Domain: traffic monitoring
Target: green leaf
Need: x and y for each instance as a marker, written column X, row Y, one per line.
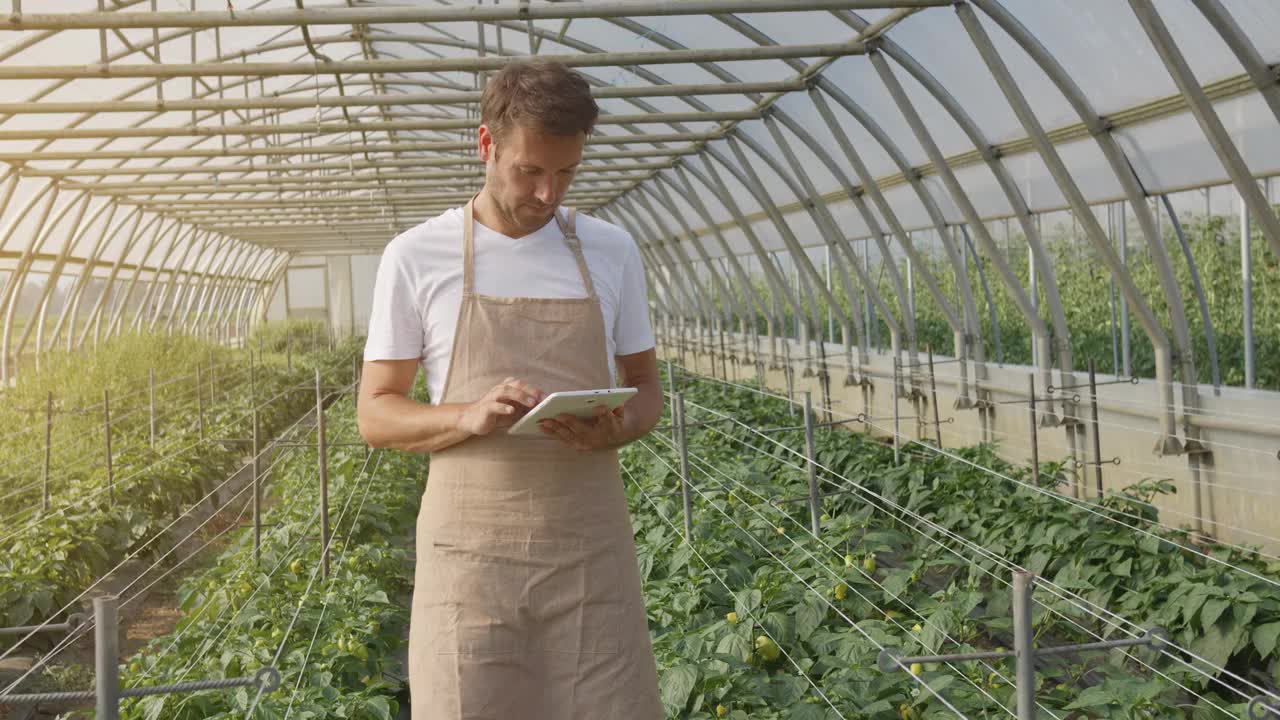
column 735, row 645
column 805, row 711
column 378, row 708
column 746, row 601
column 1212, row 610
column 1264, row 638
column 1096, row 696
column 809, row 615
column 937, row 683
column 677, row 684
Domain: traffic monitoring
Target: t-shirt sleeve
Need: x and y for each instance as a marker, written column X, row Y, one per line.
column 632, row 332
column 395, row 325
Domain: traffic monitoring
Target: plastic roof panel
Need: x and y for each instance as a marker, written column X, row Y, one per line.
column 1100, row 45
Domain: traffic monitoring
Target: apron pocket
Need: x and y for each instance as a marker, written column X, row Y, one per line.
column 578, row 606
column 474, row 609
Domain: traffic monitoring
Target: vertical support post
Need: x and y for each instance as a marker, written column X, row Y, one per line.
column 1097, row 440
column 106, row 641
column 933, row 401
column 1126, row 348
column 671, row 392
column 1246, row 285
column 1035, row 436
column 48, row 443
column 897, row 447
column 323, row 450
column 200, row 401
column 257, row 451
column 106, row 424
column 213, row 371
column 711, row 348
column 288, row 351
column 684, row 468
column 811, row 460
column 787, row 375
column 724, row 355
column 1024, row 645
column 151, row 404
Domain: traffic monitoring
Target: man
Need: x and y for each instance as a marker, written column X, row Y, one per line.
column 527, row 600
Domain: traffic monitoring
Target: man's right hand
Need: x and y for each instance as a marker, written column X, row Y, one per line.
column 501, row 407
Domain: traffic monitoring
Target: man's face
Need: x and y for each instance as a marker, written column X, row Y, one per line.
column 528, row 173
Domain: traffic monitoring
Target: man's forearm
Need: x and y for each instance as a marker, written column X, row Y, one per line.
column 396, row 422
column 642, row 412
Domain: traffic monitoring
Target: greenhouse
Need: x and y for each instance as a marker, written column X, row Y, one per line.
column 928, row 355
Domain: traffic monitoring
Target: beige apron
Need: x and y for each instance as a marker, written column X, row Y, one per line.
column 527, row 602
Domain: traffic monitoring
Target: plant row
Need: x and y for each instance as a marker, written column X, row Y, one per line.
column 331, row 640
column 757, row 618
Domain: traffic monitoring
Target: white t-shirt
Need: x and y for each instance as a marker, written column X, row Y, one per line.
column 418, row 291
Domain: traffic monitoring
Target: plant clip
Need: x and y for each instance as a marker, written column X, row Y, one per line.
column 267, row 679
column 889, row 659
column 1260, row 710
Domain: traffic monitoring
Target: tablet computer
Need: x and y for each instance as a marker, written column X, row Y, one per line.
column 578, row 403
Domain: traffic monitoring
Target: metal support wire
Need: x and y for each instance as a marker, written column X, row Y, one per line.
column 1025, row 652
column 108, row 693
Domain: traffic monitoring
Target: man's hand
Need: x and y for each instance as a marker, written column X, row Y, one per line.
column 501, row 407
column 606, row 430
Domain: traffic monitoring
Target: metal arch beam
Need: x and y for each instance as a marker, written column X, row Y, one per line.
column 227, row 262
column 750, row 295
column 223, row 293
column 871, row 187
column 250, row 291
column 1039, row 330
column 987, row 153
column 314, row 129
column 300, row 167
column 149, row 311
column 230, row 308
column 670, row 240
column 282, row 102
column 793, row 243
column 70, row 300
column 652, row 262
column 657, row 246
column 1136, row 194
column 1210, row 123
column 86, row 275
column 1169, row 443
column 266, row 290
column 1236, row 39
column 656, row 282
column 13, row 284
column 155, row 281
column 773, row 275
column 42, row 236
column 402, row 181
column 664, row 200
column 400, row 15
column 115, row 320
column 960, row 326
column 716, row 71
column 94, row 322
column 290, row 179
column 190, row 288
column 821, row 214
column 342, row 149
column 78, row 229
column 463, row 64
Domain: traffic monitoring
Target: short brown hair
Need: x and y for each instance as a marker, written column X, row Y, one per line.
column 543, row 94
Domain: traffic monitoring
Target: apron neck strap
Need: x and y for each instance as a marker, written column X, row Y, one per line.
column 568, row 226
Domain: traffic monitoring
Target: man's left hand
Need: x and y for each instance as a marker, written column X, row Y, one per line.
column 606, row 430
